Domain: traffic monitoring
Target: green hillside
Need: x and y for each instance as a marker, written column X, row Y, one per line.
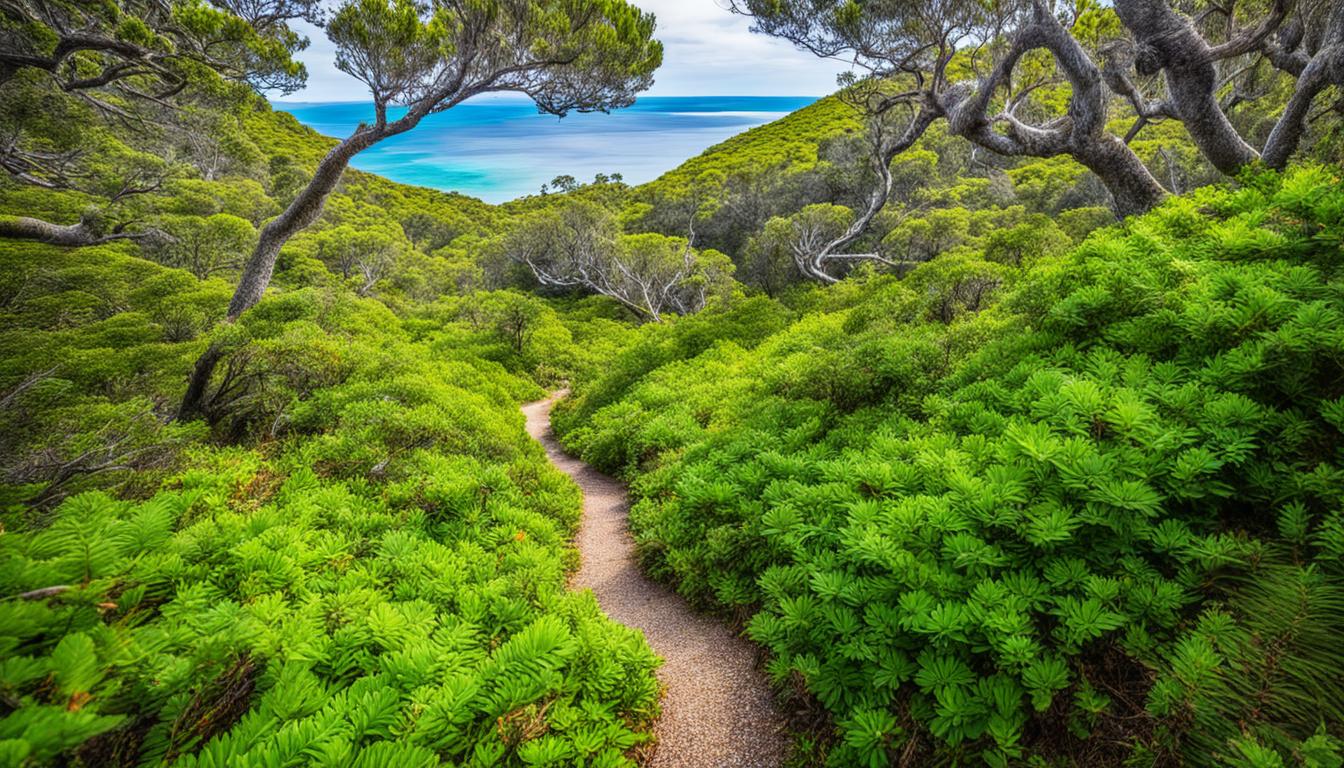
column 1082, row 511
column 792, row 141
column 989, row 412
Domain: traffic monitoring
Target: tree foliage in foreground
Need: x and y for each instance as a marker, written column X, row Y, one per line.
column 1082, row 511
column 93, row 95
column 564, row 55
column 371, row 572
column 142, row 49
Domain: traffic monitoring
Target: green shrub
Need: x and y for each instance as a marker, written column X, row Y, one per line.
column 1090, row 517
column 364, row 563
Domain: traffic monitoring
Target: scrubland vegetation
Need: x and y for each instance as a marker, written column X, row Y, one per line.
column 360, row 542
column 351, row 554
column 991, row 475
column 369, row 571
column 1082, row 509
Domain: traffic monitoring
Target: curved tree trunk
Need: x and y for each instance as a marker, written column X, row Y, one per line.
column 1322, row 69
column 1169, row 42
column 1082, row 135
column 303, row 211
column 190, row 407
column 812, row 261
column 1131, row 184
column 1287, row 133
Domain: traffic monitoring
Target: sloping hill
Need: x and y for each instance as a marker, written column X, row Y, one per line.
column 791, row 140
column 1083, row 510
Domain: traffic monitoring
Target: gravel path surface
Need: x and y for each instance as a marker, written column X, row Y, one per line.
column 718, row 711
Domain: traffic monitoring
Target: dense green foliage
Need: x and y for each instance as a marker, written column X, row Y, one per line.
column 373, row 574
column 1085, row 509
column 358, row 557
column 1025, row 493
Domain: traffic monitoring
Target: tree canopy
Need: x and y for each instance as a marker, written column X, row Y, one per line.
column 1038, row 78
column 579, row 245
column 566, row 55
column 152, row 49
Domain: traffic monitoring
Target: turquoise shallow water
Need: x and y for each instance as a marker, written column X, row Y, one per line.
column 501, row 149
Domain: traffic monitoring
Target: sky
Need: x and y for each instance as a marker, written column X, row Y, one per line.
column 707, row 51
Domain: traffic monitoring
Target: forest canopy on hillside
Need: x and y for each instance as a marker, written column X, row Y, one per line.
column 998, row 397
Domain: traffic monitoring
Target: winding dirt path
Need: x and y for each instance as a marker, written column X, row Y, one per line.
column 718, row 711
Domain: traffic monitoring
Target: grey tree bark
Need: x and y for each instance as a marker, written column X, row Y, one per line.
column 1169, row 42
column 83, row 234
column 302, row 212
column 812, row 260
column 1324, row 68
column 1294, row 36
column 1081, row 133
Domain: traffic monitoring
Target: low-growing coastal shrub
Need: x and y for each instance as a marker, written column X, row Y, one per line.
column 1089, row 517
column 362, row 563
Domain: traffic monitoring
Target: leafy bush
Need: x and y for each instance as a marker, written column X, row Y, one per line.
column 365, row 564
column 1090, row 517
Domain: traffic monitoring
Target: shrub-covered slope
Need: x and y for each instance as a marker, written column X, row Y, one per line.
column 363, row 564
column 792, row 140
column 1086, row 510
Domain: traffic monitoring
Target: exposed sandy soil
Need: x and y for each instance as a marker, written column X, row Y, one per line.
column 718, row 711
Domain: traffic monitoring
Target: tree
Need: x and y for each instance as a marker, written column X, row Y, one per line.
column 578, row 245
column 1037, row 236
column 922, row 238
column 205, row 246
column 983, row 69
column 89, row 94
column 430, row 232
column 1203, row 55
column 515, row 317
column 561, row 184
column 373, row 264
column 365, row 253
column 154, row 48
column 767, row 260
column 566, row 55
column 667, row 274
column 212, row 139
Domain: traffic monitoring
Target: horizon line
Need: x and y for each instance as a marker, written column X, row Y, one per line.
column 519, row 97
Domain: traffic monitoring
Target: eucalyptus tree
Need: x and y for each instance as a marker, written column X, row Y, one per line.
column 206, row 245
column 427, row 57
column 980, row 67
column 154, row 48
column 90, row 93
column 365, row 253
column 579, row 245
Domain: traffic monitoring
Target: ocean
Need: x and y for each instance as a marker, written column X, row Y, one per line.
column 499, row 149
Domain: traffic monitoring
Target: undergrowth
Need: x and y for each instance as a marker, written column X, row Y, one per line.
column 362, row 563
column 1082, row 511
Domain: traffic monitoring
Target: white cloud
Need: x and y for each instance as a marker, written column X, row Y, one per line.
column 708, row 51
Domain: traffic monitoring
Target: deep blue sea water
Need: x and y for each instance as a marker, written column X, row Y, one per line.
column 500, row 149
